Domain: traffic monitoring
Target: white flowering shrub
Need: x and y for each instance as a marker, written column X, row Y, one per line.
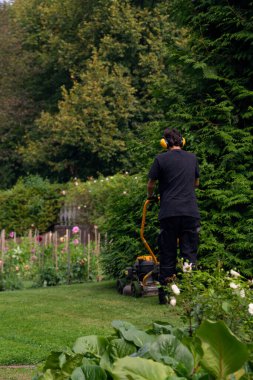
column 214, row 295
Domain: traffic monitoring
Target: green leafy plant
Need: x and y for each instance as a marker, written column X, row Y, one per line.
column 162, row 353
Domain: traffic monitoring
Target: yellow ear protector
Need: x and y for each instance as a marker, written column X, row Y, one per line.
column 164, row 143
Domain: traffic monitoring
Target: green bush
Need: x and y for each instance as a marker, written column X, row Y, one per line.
column 117, row 204
column 31, row 202
column 215, row 295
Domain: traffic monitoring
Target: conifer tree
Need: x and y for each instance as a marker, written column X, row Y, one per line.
column 211, row 103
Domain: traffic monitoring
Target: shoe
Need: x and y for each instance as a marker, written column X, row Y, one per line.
column 162, row 296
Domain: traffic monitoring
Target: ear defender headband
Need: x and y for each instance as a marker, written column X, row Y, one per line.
column 164, row 143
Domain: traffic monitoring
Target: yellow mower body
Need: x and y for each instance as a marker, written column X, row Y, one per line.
column 142, row 278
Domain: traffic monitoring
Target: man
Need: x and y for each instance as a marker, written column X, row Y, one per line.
column 177, row 174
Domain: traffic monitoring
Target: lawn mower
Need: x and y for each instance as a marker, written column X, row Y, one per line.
column 142, row 278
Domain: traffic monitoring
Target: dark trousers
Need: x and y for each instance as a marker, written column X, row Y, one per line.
column 184, row 228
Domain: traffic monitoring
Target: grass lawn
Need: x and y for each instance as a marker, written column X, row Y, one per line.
column 35, row 321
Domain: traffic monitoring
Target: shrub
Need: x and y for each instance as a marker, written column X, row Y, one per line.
column 31, row 202
column 215, row 295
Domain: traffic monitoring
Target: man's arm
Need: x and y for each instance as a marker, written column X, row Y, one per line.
column 196, row 184
column 150, row 187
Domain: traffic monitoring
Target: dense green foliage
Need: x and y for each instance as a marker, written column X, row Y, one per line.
column 100, row 80
column 31, row 203
column 17, row 108
column 161, row 353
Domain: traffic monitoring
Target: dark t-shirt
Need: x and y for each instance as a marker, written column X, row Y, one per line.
column 176, row 170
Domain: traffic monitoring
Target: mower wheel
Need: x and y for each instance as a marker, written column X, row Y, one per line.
column 127, row 290
column 136, row 289
column 121, row 282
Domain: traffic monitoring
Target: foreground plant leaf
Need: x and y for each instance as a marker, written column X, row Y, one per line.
column 89, row 372
column 169, row 350
column 95, row 345
column 224, row 354
column 131, row 334
column 140, row 369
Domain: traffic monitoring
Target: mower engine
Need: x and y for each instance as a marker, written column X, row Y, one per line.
column 140, row 279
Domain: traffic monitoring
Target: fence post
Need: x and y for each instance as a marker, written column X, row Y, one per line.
column 88, row 257
column 2, row 249
column 68, row 254
column 30, row 239
column 55, row 249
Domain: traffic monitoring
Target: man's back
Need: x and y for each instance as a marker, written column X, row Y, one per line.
column 176, row 170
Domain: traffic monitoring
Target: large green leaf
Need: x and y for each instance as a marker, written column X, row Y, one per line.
column 95, row 345
column 119, row 348
column 194, row 345
column 78, row 374
column 54, row 360
column 223, row 352
column 169, row 350
column 140, row 369
column 89, row 372
column 130, row 333
column 164, row 328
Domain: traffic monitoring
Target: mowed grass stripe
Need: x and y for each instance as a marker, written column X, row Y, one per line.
column 36, row 321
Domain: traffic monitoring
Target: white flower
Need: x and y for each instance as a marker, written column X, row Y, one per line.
column 242, row 293
column 124, row 192
column 234, row 273
column 250, row 309
column 76, row 183
column 175, row 289
column 233, row 285
column 187, row 267
column 173, row 301
column 17, row 251
column 63, row 192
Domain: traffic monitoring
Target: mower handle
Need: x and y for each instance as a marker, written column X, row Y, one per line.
column 143, row 221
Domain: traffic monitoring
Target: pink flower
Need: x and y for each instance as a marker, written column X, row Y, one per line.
column 76, row 241
column 34, row 258
column 1, row 263
column 12, row 234
column 75, row 230
column 39, row 238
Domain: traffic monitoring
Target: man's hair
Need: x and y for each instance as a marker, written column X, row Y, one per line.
column 173, row 137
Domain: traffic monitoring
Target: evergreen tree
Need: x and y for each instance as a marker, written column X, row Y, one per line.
column 211, row 102
column 17, row 108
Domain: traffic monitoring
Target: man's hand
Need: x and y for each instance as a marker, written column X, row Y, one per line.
column 153, row 198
